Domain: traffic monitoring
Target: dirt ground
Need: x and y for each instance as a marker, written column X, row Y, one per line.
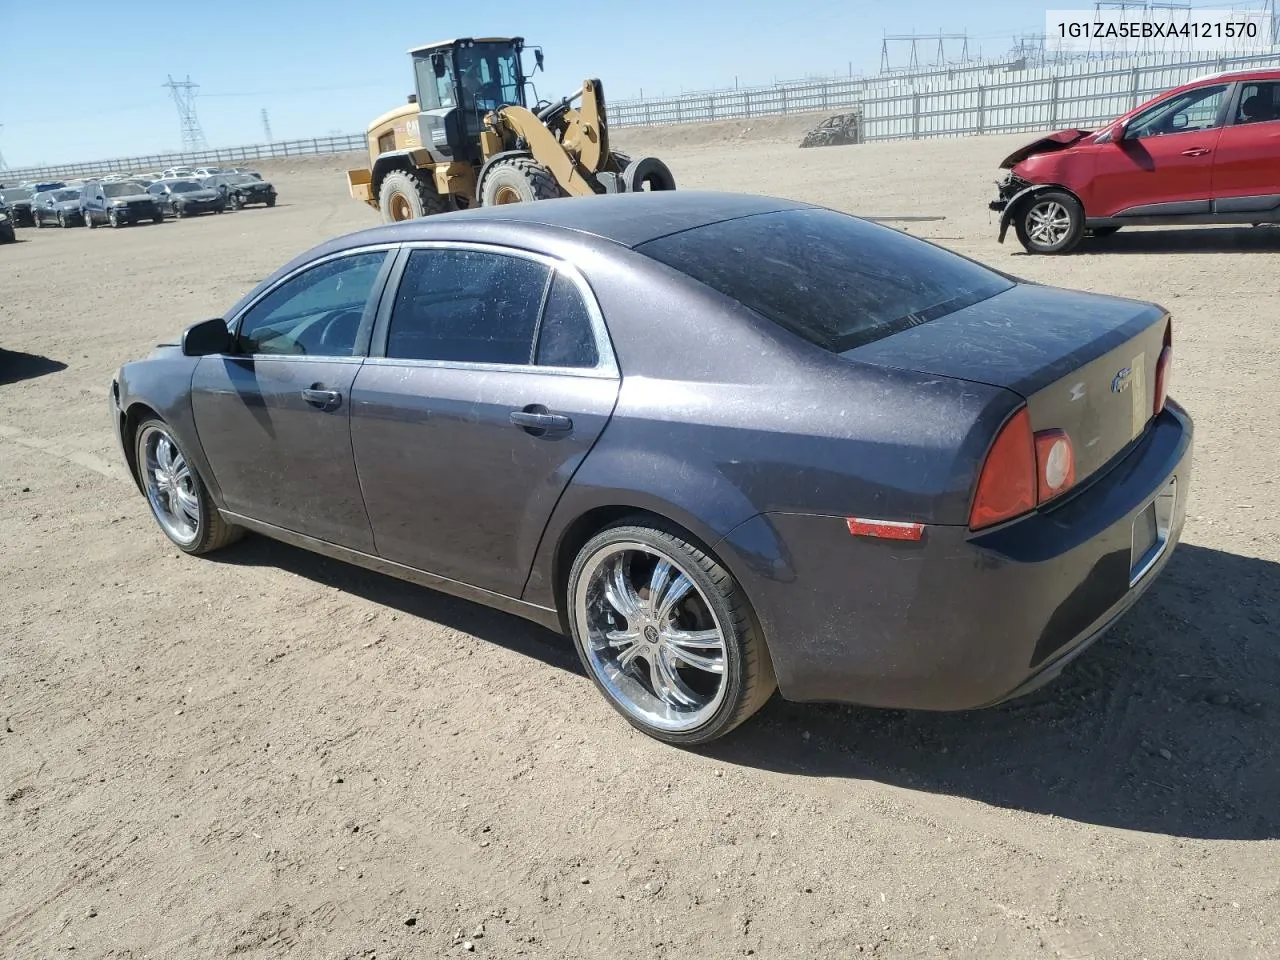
column 264, row 753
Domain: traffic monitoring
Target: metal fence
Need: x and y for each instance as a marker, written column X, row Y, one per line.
column 1081, row 94
column 1005, row 96
column 227, row 156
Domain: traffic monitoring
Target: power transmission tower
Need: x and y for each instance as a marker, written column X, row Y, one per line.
column 184, row 96
column 266, row 127
column 915, row 41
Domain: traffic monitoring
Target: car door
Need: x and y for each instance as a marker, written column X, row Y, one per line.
column 161, row 197
column 1246, row 171
column 41, row 204
column 274, row 418
column 1163, row 163
column 489, row 379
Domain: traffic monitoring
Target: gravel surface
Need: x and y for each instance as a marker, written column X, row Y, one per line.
column 265, row 753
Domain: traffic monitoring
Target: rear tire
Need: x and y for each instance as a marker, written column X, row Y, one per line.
column 671, row 699
column 518, row 180
column 1049, row 223
column 405, row 196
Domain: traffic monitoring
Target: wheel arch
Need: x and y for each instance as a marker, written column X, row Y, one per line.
column 136, row 412
column 401, row 160
column 592, row 521
column 494, row 161
column 1023, row 196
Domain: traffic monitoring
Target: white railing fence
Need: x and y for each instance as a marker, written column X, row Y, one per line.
column 972, row 98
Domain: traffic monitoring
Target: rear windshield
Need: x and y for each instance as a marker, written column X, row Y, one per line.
column 835, row 280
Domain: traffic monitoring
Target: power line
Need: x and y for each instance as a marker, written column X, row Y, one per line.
column 184, row 97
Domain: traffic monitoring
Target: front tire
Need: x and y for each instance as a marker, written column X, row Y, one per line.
column 666, row 634
column 404, row 196
column 179, row 501
column 518, row 180
column 1050, row 222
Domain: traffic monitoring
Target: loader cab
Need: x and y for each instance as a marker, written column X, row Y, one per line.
column 459, row 81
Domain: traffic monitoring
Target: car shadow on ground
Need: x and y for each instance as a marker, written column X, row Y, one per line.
column 485, row 623
column 1137, row 240
column 16, row 366
column 1167, row 725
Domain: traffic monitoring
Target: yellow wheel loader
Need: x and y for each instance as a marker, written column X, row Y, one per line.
column 469, row 138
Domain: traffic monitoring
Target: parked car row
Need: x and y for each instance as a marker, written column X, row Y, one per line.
column 118, row 200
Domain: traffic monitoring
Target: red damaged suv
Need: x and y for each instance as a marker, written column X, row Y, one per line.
column 1207, row 152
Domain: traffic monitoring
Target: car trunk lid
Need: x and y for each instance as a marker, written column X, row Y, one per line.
column 1085, row 363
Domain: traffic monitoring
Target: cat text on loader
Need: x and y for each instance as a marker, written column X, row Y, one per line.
column 468, row 138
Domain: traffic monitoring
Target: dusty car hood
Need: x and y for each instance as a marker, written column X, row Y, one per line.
column 1053, row 142
column 130, row 198
column 205, row 194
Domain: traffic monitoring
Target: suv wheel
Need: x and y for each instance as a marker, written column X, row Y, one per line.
column 1050, row 222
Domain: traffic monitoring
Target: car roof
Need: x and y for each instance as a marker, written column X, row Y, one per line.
column 1257, row 73
column 629, row 219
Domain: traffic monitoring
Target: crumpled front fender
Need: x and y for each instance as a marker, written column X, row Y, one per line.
column 1012, row 205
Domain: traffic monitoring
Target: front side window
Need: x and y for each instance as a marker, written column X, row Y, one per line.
column 1191, row 111
column 316, row 313
column 467, row 306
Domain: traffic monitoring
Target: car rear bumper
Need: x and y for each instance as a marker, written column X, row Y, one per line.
column 960, row 621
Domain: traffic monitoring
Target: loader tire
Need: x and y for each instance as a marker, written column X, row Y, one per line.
column 647, row 172
column 518, row 180
column 404, row 196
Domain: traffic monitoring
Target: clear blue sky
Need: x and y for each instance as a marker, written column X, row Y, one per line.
column 82, row 80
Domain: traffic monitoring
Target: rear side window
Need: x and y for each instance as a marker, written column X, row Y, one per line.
column 467, row 306
column 830, row 278
column 565, row 336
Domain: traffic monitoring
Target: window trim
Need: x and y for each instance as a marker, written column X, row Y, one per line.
column 367, row 319
column 606, row 366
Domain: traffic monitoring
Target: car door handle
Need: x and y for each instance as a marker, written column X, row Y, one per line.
column 317, row 396
column 534, row 419
column 1196, row 152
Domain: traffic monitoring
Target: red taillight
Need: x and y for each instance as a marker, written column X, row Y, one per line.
column 1022, row 471
column 1056, row 463
column 1007, row 484
column 1163, row 366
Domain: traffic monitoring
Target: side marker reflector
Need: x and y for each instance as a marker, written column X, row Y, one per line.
column 885, row 529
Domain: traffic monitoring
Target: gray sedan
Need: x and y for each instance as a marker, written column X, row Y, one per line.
column 57, row 206
column 727, row 444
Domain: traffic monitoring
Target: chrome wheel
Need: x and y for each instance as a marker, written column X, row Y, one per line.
column 170, row 485
column 650, row 636
column 1048, row 223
